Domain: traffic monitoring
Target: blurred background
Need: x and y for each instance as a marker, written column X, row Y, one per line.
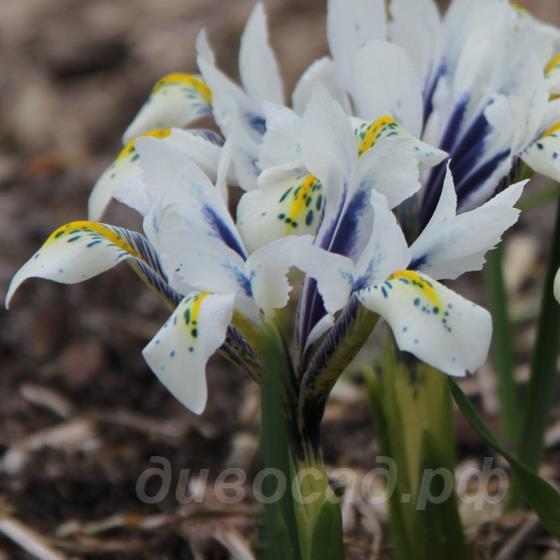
column 80, row 413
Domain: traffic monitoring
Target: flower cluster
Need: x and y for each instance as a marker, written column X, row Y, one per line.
column 379, row 182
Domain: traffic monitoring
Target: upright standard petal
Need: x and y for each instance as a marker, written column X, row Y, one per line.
column 180, row 350
column 387, row 83
column 452, row 244
column 76, row 252
column 350, row 25
column 322, row 71
column 557, row 286
column 328, row 145
column 257, row 64
column 176, row 100
column 432, row 322
column 422, row 40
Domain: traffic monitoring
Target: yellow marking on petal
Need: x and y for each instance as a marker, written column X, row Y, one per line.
column 192, row 312
column 417, row 282
column 83, row 226
column 519, row 7
column 301, row 200
column 130, row 149
column 552, row 130
column 189, row 80
column 552, row 65
column 198, row 299
column 373, row 132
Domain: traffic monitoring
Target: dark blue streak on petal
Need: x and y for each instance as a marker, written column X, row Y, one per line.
column 473, row 138
column 256, row 122
column 451, row 135
column 435, row 180
column 470, row 185
column 340, row 238
column 223, row 231
column 346, row 234
column 417, row 263
column 242, row 280
column 209, row 135
column 430, row 90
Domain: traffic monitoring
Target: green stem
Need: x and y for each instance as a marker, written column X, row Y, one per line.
column 540, row 391
column 280, row 538
column 306, row 522
column 502, row 346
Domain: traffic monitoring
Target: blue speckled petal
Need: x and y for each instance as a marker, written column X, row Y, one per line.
column 431, row 321
column 179, row 351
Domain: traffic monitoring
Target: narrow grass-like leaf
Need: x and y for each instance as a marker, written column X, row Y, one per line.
column 544, row 499
column 502, row 346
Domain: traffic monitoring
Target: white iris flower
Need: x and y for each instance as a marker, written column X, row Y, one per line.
column 332, row 187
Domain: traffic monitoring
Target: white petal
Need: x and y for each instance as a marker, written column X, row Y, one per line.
column 176, row 100
column 180, row 350
column 422, row 40
column 386, row 250
column 452, row 244
column 350, row 25
column 199, row 263
column 245, row 153
column 197, row 149
column 269, row 265
column 290, row 206
column 543, row 156
column 76, row 252
column 557, row 286
column 391, row 168
column 124, row 173
column 184, row 196
column 281, row 144
column 203, row 48
column 257, row 64
column 328, row 144
column 227, row 96
column 432, row 322
column 387, row 83
column 322, row 71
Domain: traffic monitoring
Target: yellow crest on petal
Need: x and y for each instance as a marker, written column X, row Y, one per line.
column 188, row 80
column 129, row 151
column 369, row 133
column 551, row 131
column 76, row 231
column 419, row 284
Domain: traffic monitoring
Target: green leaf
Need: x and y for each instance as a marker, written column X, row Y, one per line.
column 327, row 540
column 544, row 499
column 280, row 538
column 438, row 529
column 502, row 345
